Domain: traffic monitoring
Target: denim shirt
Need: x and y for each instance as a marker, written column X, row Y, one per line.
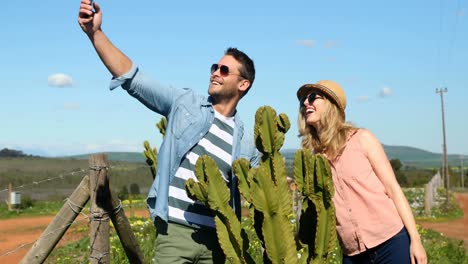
column 189, row 117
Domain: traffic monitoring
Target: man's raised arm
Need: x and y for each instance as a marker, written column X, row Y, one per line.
column 90, row 22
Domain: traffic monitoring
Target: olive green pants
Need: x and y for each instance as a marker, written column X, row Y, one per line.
column 183, row 245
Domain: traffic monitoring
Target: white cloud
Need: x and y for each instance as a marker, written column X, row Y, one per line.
column 60, row 80
column 385, row 92
column 72, row 106
column 363, row 98
column 308, row 43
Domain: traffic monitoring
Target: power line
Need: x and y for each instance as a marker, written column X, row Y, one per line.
column 64, row 175
column 61, row 176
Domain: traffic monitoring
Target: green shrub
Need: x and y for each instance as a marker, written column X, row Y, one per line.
column 26, row 202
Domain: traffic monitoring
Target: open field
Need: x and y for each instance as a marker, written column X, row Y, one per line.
column 55, row 179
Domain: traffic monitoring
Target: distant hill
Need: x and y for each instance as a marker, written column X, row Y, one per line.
column 115, row 156
column 419, row 158
column 409, row 156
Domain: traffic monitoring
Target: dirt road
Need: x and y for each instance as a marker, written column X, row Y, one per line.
column 14, row 233
column 19, row 234
column 456, row 228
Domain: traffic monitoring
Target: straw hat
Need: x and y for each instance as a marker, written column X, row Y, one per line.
column 330, row 89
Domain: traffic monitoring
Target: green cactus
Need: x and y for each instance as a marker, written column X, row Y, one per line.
column 266, row 189
column 317, row 224
column 151, row 154
column 161, row 125
column 271, row 211
column 214, row 193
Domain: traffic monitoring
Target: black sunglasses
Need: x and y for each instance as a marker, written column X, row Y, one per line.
column 310, row 98
column 223, row 70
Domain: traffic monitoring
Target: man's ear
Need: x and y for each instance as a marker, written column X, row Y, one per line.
column 244, row 85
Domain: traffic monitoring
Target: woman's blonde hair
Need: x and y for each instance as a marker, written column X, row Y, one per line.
column 332, row 135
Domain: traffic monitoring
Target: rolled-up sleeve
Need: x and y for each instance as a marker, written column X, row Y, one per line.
column 119, row 81
column 151, row 93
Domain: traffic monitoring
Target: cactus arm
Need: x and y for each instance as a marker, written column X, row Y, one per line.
column 162, row 126
column 282, row 186
column 322, row 237
column 151, row 156
column 279, row 140
column 283, row 123
column 277, row 232
column 232, row 250
column 298, row 170
column 214, row 193
column 196, row 191
column 240, row 169
column 317, row 224
column 328, row 235
column 265, row 129
column 304, row 170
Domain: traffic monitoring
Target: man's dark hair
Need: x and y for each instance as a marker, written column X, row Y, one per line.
column 248, row 69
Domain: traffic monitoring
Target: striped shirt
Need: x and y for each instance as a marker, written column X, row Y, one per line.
column 217, row 144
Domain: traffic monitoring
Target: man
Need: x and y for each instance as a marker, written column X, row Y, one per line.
column 197, row 125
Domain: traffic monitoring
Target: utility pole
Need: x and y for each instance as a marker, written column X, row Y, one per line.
column 461, row 175
column 441, row 91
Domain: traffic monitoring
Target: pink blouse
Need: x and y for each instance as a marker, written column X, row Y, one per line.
column 365, row 214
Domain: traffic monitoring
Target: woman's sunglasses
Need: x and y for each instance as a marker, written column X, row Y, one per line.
column 223, row 70
column 310, row 98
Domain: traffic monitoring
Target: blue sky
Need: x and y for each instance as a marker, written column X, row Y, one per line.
column 390, row 56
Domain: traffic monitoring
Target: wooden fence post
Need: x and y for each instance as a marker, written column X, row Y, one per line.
column 125, row 232
column 59, row 225
column 428, row 197
column 100, row 208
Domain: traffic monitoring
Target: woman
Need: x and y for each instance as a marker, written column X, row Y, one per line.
column 374, row 220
